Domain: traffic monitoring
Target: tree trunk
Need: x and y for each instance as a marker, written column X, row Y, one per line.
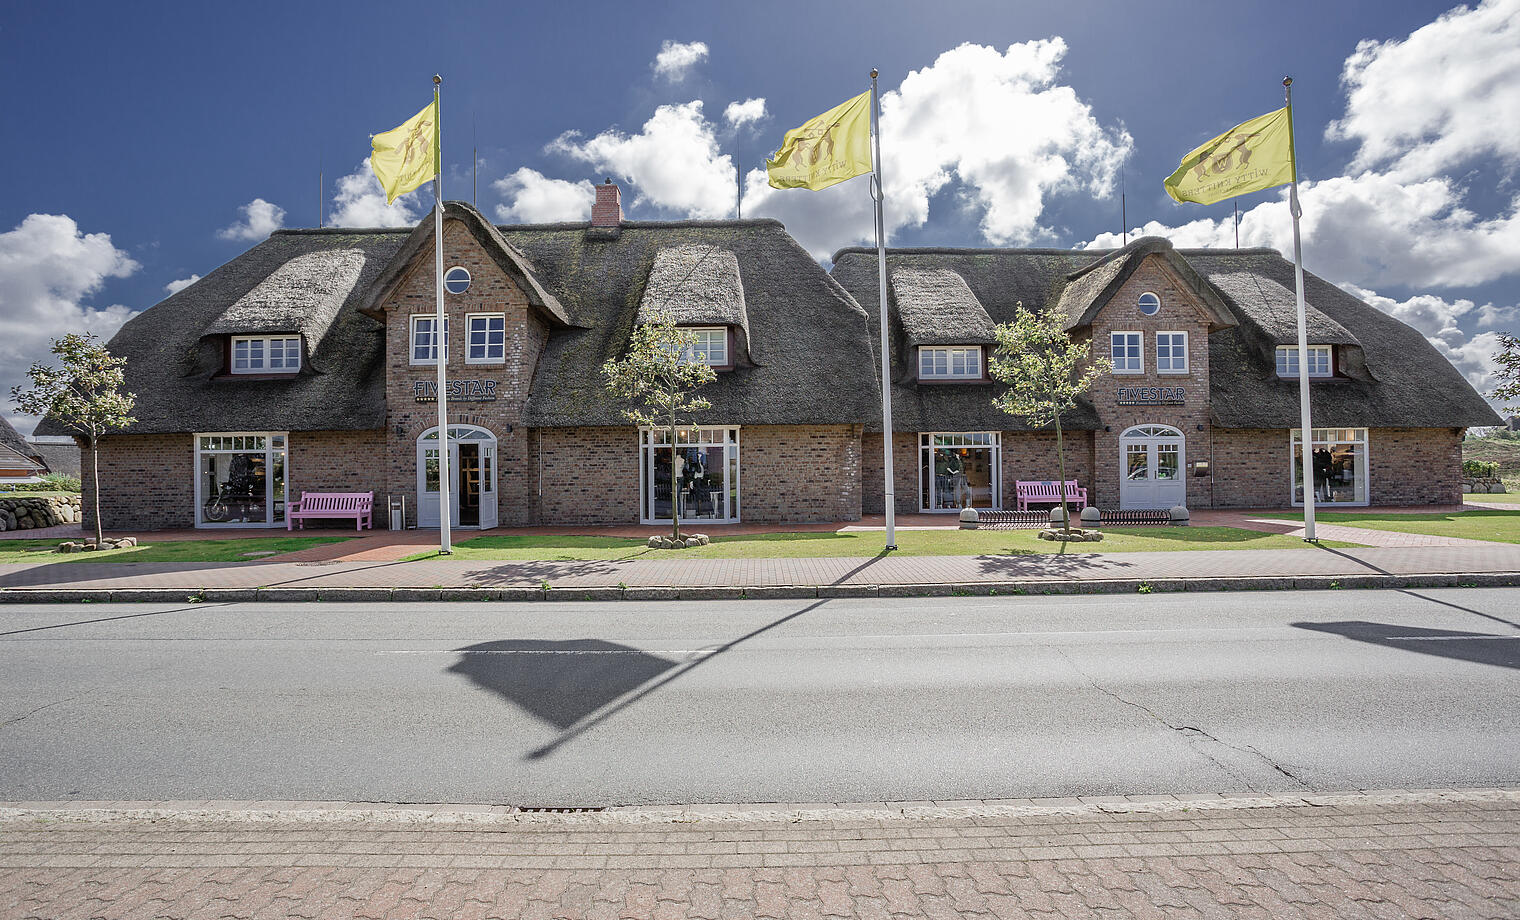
column 1061, row 466
column 95, row 477
column 675, row 491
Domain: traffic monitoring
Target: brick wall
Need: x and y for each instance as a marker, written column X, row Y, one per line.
column 147, row 482
column 491, row 291
column 1179, row 312
column 1406, row 466
column 800, row 473
column 589, row 475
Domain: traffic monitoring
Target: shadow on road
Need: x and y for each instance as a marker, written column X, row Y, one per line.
column 559, row 682
column 1482, row 648
column 577, row 685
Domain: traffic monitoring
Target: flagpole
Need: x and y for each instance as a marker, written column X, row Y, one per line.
column 445, row 546
column 879, row 193
column 1306, row 440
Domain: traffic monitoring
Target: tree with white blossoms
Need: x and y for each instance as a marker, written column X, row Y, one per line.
column 657, row 375
column 85, row 394
column 1045, row 370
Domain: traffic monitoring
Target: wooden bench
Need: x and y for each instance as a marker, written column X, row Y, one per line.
column 357, row 505
column 1048, row 490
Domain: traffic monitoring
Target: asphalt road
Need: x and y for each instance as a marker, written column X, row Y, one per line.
column 800, row 701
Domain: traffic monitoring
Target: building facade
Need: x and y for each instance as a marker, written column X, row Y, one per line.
column 309, row 364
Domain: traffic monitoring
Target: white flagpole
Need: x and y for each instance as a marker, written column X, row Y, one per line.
column 879, row 193
column 1306, row 441
column 445, row 545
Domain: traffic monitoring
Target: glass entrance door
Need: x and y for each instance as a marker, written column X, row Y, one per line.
column 959, row 471
column 705, row 475
column 472, row 476
column 1150, row 466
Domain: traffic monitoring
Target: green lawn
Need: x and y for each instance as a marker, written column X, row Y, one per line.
column 9, row 493
column 1498, row 525
column 1501, row 498
column 865, row 543
column 174, row 551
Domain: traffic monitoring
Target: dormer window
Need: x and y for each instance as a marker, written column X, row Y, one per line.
column 950, row 362
column 1320, row 364
column 266, row 354
column 711, row 347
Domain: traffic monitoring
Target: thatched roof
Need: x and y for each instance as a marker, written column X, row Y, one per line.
column 588, row 287
column 800, row 324
column 59, row 458
column 10, row 437
column 696, row 286
column 936, row 307
column 304, row 295
column 1397, row 378
column 171, row 361
column 10, row 458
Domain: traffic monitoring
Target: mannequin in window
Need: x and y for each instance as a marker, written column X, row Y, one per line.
column 1324, row 465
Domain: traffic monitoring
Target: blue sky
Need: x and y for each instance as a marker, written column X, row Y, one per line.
column 152, row 143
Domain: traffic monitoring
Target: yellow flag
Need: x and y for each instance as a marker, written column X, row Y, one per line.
column 826, row 150
column 407, row 157
column 1247, row 158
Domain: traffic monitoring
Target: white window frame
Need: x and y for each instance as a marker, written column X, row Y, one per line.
column 1359, row 436
column 1139, row 343
column 411, row 351
column 951, row 353
column 275, row 442
column 981, row 440
column 704, row 351
column 726, row 436
column 1287, row 361
column 1141, row 299
column 470, row 334
column 1172, row 371
column 290, row 347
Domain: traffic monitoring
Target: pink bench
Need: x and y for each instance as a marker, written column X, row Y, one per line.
column 357, row 505
column 1047, row 490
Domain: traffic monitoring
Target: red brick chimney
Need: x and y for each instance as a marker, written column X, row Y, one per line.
column 608, row 209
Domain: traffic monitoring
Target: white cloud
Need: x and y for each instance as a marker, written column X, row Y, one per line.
column 1441, row 97
column 1371, row 230
column 535, row 198
column 674, row 162
column 1474, row 357
column 360, row 202
column 47, row 267
column 174, row 287
column 260, row 218
column 677, row 58
column 745, row 113
column 1042, row 140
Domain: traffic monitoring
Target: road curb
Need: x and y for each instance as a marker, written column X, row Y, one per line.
column 268, row 812
column 1014, row 588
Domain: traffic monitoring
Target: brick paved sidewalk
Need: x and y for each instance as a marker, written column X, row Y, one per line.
column 1197, row 568
column 1454, row 854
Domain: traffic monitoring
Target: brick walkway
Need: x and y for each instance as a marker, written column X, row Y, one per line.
column 1415, row 855
column 1196, row 567
column 1342, row 533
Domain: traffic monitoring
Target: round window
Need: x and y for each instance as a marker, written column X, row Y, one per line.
column 1149, row 303
column 456, row 280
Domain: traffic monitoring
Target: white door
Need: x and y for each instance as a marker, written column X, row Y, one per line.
column 472, row 478
column 1151, row 464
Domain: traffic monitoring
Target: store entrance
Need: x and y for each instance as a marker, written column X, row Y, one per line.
column 1150, row 468
column 959, row 471
column 472, row 477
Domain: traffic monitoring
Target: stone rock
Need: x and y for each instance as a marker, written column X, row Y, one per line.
column 128, row 541
column 1072, row 535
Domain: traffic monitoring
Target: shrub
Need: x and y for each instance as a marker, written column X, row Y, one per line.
column 52, row 482
column 1477, row 469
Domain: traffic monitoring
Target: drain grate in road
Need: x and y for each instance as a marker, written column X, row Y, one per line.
column 561, row 809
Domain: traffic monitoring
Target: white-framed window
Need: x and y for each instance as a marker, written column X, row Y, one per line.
column 487, row 342
column 1319, row 361
column 1127, row 351
column 712, row 345
column 266, row 354
column 939, row 362
column 425, row 338
column 1338, row 464
column 706, row 474
column 240, row 479
column 1149, row 303
column 959, row 469
column 1171, row 353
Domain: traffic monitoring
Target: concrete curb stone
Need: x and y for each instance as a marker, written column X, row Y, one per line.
column 229, row 595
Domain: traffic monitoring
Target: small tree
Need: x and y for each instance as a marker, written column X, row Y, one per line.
column 84, row 394
column 1509, row 372
column 657, row 375
column 1045, row 371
